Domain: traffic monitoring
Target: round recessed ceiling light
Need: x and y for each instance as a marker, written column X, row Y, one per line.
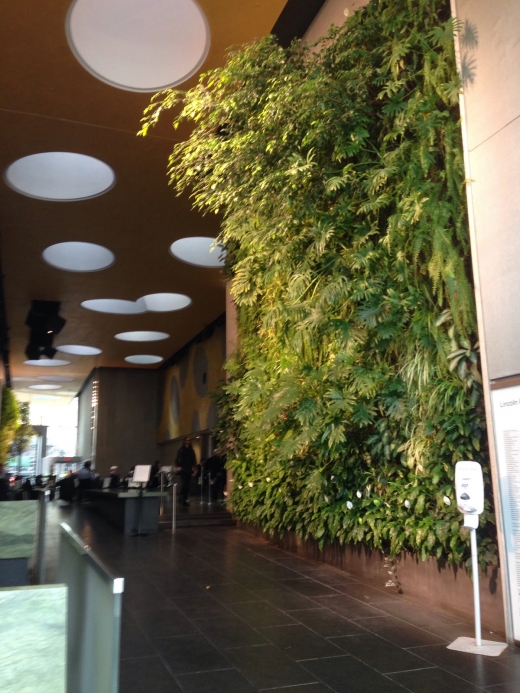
column 198, row 250
column 114, row 305
column 143, row 359
column 138, row 45
column 160, row 303
column 78, row 350
column 47, row 362
column 45, row 387
column 60, row 176
column 142, row 336
column 76, row 256
column 55, row 378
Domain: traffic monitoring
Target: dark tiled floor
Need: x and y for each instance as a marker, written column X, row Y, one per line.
column 214, row 610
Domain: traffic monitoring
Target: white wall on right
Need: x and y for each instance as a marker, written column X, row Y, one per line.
column 489, row 43
column 333, row 12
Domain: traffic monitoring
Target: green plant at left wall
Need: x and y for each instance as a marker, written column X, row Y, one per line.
column 339, row 174
column 9, row 422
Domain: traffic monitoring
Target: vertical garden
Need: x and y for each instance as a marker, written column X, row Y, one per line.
column 339, row 176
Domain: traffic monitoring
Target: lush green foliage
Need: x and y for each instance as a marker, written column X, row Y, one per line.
column 24, row 432
column 339, row 175
column 9, row 421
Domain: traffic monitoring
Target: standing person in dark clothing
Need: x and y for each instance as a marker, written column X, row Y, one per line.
column 214, row 468
column 185, row 463
column 154, row 481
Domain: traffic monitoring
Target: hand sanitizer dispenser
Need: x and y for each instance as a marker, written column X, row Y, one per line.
column 469, row 489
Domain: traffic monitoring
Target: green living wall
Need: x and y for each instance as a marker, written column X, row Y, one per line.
column 339, row 176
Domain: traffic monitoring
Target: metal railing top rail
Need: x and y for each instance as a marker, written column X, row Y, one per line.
column 79, row 545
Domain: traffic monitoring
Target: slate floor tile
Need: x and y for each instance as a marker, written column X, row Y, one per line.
column 200, row 607
column 379, row 654
column 367, row 594
column 225, row 681
column 325, row 623
column 231, row 593
column 348, row 607
column 229, row 631
column 477, row 669
column 265, row 666
column 451, row 631
column 431, row 680
column 332, row 578
column 348, row 675
column 190, row 654
column 259, row 614
column 416, row 615
column 399, row 632
column 309, row 588
column 144, row 675
column 134, row 642
column 299, row 564
column 285, row 599
column 298, row 642
column 306, row 688
column 164, row 623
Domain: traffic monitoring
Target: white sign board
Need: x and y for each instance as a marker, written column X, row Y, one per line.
column 506, row 423
column 141, row 473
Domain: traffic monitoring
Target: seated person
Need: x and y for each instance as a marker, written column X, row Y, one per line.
column 67, row 487
column 85, row 480
column 114, row 477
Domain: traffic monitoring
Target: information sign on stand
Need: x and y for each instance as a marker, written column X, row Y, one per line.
column 505, row 404
column 142, row 473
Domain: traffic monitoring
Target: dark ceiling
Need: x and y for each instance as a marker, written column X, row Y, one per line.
column 49, row 102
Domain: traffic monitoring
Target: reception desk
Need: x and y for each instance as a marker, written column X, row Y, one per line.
column 126, row 510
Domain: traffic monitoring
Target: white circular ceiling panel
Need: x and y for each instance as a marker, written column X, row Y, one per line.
column 162, row 303
column 143, row 359
column 138, row 45
column 78, row 350
column 47, row 362
column 142, row 336
column 60, row 176
column 76, row 256
column 114, row 305
column 198, row 250
column 55, row 378
column 45, row 387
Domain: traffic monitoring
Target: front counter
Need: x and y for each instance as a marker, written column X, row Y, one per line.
column 128, row 510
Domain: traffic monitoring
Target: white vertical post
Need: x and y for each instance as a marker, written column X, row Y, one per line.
column 476, row 592
column 174, row 506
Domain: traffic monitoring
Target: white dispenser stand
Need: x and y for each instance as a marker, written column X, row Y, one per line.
column 469, row 490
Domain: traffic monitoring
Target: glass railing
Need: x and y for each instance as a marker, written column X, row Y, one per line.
column 94, row 617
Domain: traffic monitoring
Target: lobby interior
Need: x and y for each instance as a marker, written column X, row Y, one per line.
column 148, row 325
